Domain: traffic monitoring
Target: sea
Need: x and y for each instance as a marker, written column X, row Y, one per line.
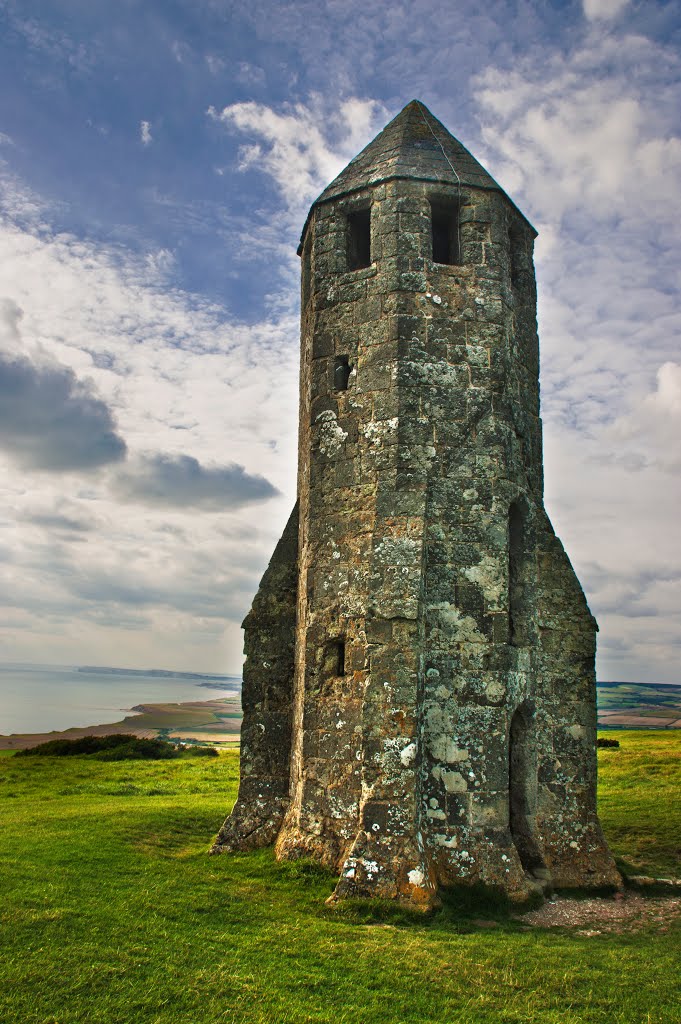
column 42, row 698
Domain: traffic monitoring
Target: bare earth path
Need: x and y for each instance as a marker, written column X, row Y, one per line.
column 626, row 912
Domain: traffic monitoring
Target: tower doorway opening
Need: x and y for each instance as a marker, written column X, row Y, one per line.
column 522, row 789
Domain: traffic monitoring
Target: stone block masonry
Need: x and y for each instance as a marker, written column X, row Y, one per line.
column 419, row 691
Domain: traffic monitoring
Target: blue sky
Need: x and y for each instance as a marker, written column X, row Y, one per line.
column 157, row 161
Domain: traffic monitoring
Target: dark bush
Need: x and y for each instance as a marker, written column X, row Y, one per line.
column 104, row 748
column 603, row 742
column 135, row 749
column 201, row 752
column 73, row 748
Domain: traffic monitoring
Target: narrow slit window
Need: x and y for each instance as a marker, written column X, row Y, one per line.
column 305, row 278
column 516, row 569
column 340, row 657
column 359, row 239
column 341, row 373
column 515, row 257
column 444, row 219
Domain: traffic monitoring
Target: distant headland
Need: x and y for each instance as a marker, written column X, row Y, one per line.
column 158, row 673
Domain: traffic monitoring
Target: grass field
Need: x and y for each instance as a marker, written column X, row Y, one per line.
column 113, row 914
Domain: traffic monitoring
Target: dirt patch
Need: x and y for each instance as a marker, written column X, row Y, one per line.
column 626, row 912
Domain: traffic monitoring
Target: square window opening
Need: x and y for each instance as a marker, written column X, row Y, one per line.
column 359, row 239
column 444, row 219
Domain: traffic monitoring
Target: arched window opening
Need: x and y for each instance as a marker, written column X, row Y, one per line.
column 341, row 373
column 359, row 239
column 522, row 789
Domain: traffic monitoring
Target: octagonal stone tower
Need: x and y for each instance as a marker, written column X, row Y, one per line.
column 419, row 691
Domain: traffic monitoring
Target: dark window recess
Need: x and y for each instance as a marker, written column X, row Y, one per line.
column 515, row 254
column 444, row 219
column 306, row 275
column 359, row 239
column 517, row 567
column 522, row 789
column 339, row 650
column 341, row 373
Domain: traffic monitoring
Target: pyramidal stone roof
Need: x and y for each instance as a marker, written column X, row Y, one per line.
column 413, row 145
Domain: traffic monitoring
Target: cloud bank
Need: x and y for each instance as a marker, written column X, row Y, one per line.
column 50, row 420
column 180, row 481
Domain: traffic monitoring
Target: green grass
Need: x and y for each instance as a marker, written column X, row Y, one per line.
column 112, row 913
column 639, row 786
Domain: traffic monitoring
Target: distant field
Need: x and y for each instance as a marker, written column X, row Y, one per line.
column 639, row 706
column 112, row 913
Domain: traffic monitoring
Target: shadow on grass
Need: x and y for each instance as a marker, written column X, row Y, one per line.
column 463, row 909
column 604, row 892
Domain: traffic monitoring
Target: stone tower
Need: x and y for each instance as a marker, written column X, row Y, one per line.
column 419, row 688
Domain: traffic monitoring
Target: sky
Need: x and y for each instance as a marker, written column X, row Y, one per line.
column 157, row 161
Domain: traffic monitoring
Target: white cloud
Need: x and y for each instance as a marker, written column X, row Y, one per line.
column 250, row 74
column 181, row 51
column 667, row 398
column 149, row 579
column 50, row 42
column 145, row 133
column 303, row 146
column 603, row 10
column 10, row 318
column 586, row 141
column 651, row 429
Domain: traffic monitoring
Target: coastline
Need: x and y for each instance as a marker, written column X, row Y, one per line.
column 218, row 721
column 215, row 721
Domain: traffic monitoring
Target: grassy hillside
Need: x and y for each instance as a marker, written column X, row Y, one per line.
column 113, row 914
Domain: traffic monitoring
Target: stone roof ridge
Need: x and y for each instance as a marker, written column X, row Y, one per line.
column 413, row 145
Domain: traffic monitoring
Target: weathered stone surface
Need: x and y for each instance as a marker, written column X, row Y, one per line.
column 267, row 698
column 438, row 720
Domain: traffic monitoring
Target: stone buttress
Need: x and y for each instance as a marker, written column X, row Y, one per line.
column 437, row 723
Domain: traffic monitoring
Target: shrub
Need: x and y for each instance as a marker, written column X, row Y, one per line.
column 120, row 747
column 136, row 749
column 74, row 748
column 603, row 742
